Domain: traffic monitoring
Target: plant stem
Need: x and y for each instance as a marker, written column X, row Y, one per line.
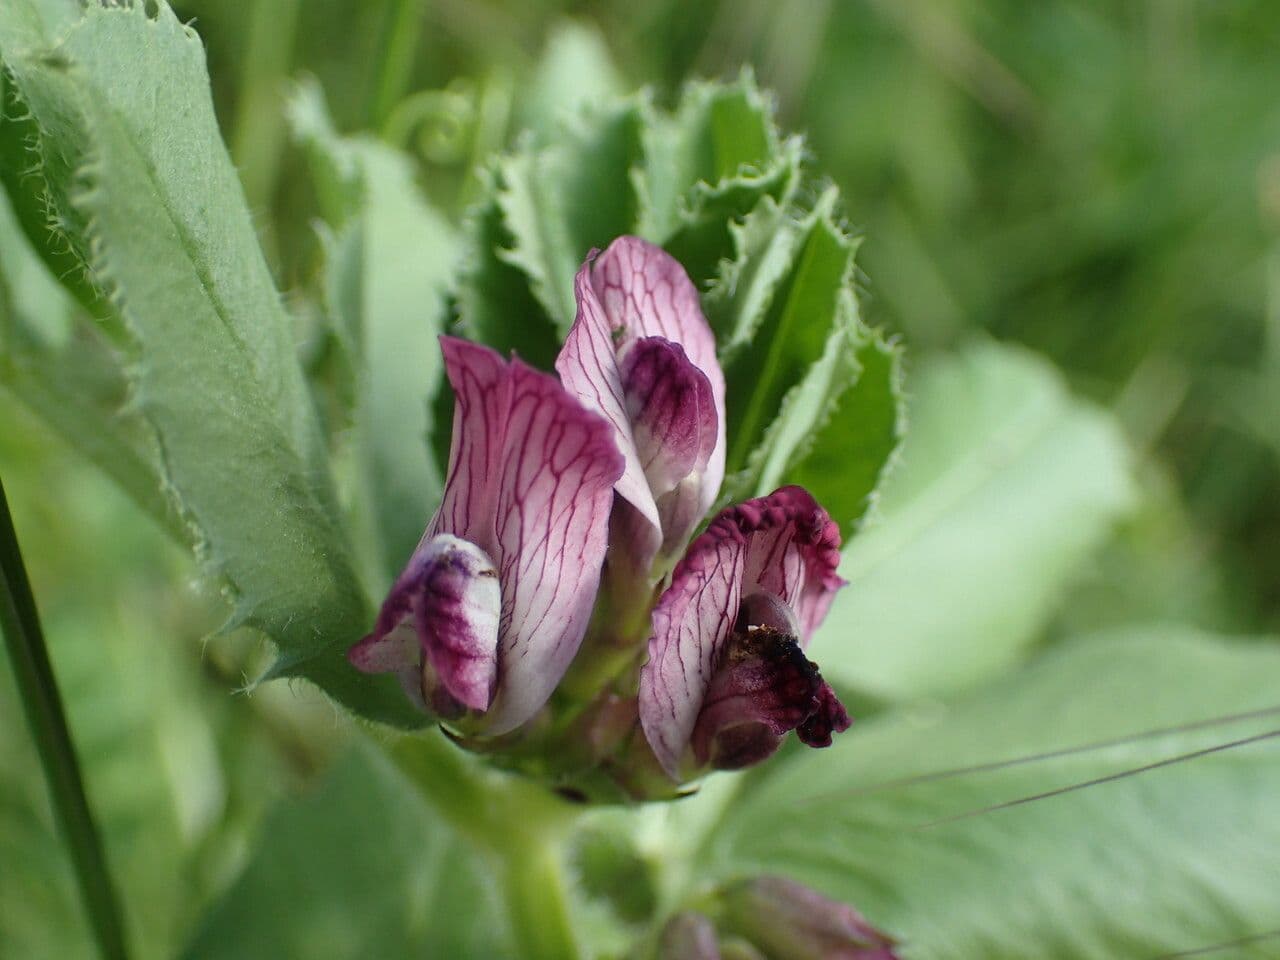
column 519, row 824
column 38, row 691
column 533, row 884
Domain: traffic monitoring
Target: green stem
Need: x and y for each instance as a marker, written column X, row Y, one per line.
column 38, row 691
column 533, row 884
column 517, row 823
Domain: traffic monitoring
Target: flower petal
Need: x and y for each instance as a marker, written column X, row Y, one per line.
column 646, row 293
column 588, row 368
column 673, row 420
column 794, row 550
column 482, row 395
column 671, row 409
column 448, row 597
column 763, row 689
column 556, row 475
column 783, row 547
column 456, row 610
column 691, row 621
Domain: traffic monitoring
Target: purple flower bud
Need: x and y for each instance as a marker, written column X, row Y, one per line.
column 726, row 677
column 493, row 604
column 790, row 921
column 689, row 936
column 641, row 353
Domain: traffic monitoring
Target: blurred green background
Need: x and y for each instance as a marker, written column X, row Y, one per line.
column 1099, row 181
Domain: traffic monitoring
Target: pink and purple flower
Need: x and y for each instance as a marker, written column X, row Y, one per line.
column 619, row 459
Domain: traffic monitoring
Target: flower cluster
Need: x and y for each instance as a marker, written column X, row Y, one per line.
column 565, row 528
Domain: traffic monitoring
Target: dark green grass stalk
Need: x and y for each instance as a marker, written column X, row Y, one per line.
column 20, row 624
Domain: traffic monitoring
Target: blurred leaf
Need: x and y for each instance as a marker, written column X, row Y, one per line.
column 69, row 374
column 217, row 378
column 174, row 768
column 1168, row 860
column 576, row 73
column 399, row 883
column 1006, row 483
column 390, row 262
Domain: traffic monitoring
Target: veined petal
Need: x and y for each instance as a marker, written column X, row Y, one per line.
column 671, row 409
column 691, row 622
column 588, row 368
column 482, row 395
column 556, row 475
column 456, row 611
column 646, row 293
column 794, row 550
column 440, row 617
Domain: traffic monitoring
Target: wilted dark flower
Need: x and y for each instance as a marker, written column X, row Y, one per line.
column 726, row 678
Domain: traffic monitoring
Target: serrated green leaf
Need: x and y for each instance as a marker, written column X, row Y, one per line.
column 400, row 883
column 33, row 208
column 721, row 140
column 843, row 457
column 1005, row 484
column 764, row 244
column 389, row 266
column 495, row 304
column 561, row 202
column 217, row 379
column 1169, row 860
column 789, row 337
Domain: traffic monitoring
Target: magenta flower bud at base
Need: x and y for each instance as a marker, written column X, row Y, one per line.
column 790, row 921
column 689, row 936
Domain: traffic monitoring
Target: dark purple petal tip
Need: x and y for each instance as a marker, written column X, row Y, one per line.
column 829, row 717
column 763, row 688
column 447, row 598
